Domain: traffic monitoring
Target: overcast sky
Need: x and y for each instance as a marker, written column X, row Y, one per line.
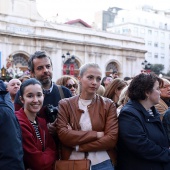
column 85, row 9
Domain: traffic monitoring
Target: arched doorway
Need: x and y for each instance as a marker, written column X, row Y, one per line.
column 20, row 60
column 16, row 65
column 71, row 67
column 112, row 66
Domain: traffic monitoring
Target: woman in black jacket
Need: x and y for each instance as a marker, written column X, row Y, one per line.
column 143, row 142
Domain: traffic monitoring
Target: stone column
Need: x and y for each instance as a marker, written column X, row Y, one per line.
column 57, row 64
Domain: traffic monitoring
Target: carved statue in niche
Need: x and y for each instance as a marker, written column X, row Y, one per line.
column 9, row 67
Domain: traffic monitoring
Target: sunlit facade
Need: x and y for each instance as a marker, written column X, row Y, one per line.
column 22, row 32
column 151, row 25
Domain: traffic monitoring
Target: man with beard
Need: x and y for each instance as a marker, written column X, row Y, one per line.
column 40, row 67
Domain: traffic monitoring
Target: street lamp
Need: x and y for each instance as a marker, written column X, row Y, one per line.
column 68, row 64
column 72, row 58
column 146, row 66
column 3, row 72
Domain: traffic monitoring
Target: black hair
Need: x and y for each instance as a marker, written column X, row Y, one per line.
column 103, row 80
column 114, row 72
column 31, row 81
column 126, row 78
column 142, row 84
column 37, row 54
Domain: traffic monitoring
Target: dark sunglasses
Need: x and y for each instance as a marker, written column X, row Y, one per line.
column 69, row 86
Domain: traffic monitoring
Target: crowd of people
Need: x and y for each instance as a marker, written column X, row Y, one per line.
column 119, row 124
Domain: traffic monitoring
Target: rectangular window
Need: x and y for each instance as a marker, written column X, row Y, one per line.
column 162, row 56
column 162, row 45
column 155, row 44
column 125, row 30
column 150, row 32
column 149, row 43
column 155, row 55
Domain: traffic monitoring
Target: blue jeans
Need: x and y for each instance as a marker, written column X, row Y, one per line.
column 106, row 165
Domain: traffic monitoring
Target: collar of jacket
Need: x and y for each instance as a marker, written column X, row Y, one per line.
column 136, row 105
column 75, row 99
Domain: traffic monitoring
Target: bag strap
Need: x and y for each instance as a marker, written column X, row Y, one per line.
column 77, row 124
column 61, row 92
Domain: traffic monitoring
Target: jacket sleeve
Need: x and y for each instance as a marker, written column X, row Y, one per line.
column 34, row 157
column 133, row 136
column 109, row 140
column 166, row 122
column 72, row 137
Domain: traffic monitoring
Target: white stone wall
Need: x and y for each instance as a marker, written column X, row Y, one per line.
column 138, row 23
column 87, row 44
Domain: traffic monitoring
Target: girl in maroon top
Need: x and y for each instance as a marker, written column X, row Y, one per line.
column 39, row 147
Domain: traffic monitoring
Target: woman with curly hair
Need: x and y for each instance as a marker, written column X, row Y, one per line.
column 142, row 142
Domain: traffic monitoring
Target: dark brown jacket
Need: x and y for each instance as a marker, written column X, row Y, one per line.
column 103, row 117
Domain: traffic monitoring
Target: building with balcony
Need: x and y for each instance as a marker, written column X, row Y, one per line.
column 150, row 24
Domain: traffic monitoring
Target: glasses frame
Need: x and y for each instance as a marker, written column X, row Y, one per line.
column 69, row 86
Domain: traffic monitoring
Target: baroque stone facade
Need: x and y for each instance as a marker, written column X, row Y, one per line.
column 22, row 32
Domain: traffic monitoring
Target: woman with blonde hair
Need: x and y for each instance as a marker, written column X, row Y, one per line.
column 88, row 122
column 123, row 99
column 101, row 90
column 114, row 89
column 70, row 82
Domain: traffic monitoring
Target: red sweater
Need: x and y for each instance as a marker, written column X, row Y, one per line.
column 36, row 156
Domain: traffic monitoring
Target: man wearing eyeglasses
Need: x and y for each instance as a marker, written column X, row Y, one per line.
column 40, row 66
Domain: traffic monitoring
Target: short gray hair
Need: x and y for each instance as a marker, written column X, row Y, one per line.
column 84, row 68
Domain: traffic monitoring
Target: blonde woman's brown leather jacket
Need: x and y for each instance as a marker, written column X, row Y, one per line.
column 103, row 116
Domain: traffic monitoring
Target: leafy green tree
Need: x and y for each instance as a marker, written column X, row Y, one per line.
column 157, row 68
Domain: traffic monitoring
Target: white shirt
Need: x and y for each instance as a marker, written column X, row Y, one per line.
column 85, row 124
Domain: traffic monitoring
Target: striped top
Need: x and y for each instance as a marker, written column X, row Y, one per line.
column 150, row 112
column 35, row 125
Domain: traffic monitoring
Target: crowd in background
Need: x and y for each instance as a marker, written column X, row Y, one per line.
column 122, row 123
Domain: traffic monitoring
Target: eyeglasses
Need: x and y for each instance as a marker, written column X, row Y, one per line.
column 69, row 86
